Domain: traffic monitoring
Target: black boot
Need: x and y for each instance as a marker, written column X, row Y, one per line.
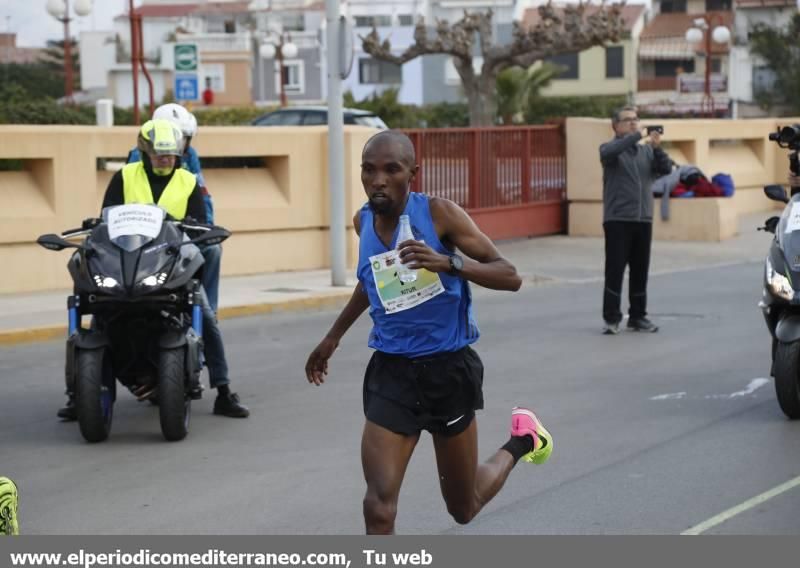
column 227, row 404
column 70, row 412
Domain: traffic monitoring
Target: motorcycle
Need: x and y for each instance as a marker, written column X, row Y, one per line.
column 135, row 272
column 780, row 303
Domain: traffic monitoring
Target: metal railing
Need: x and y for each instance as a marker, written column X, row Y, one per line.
column 483, row 168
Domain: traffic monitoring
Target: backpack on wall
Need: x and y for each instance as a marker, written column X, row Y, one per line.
column 725, row 183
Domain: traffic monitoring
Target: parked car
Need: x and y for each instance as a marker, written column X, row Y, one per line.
column 316, row 116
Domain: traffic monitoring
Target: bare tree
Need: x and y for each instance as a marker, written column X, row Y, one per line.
column 559, row 30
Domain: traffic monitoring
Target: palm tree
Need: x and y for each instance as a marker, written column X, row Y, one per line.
column 517, row 86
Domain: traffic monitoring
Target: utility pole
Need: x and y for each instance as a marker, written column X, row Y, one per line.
column 338, row 235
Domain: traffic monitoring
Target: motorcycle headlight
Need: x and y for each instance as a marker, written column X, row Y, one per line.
column 778, row 283
column 105, row 281
column 156, row 279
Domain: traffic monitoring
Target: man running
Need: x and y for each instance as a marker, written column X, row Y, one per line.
column 423, row 374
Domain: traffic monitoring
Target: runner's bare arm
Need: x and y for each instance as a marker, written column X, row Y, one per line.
column 317, row 363
column 484, row 266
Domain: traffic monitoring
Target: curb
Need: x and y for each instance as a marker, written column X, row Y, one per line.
column 52, row 332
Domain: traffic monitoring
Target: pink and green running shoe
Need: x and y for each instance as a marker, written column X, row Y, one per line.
column 525, row 423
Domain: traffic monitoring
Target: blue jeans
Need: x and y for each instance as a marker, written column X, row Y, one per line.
column 212, row 255
column 212, row 346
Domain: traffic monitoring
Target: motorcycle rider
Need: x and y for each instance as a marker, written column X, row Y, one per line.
column 158, row 178
column 212, row 254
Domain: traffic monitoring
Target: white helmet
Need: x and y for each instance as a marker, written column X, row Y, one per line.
column 179, row 116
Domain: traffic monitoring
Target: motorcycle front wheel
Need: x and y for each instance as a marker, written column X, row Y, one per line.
column 787, row 378
column 174, row 406
column 95, row 398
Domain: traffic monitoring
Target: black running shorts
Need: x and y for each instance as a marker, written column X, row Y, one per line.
column 439, row 393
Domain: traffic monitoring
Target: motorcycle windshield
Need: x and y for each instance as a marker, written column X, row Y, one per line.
column 132, row 226
column 118, row 272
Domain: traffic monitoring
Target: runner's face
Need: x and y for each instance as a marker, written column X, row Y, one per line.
column 386, row 177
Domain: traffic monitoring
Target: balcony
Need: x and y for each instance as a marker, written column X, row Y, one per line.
column 218, row 42
column 658, row 83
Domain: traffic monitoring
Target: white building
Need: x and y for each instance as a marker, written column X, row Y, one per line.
column 394, row 21
column 748, row 74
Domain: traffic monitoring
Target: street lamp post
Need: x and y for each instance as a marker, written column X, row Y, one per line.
column 702, row 33
column 281, row 50
column 59, row 9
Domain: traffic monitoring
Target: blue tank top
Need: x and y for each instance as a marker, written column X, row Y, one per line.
column 443, row 323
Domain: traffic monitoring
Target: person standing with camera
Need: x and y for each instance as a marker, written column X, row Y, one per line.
column 631, row 161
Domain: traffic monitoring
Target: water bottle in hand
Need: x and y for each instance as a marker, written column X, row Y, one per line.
column 404, row 273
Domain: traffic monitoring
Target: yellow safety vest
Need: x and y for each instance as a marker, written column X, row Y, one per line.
column 174, row 198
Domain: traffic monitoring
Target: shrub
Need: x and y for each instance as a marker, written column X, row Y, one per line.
column 543, row 109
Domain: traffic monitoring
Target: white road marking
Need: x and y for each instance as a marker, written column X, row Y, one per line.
column 752, row 387
column 670, row 396
column 741, row 508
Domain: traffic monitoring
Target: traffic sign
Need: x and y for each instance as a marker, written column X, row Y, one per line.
column 186, row 87
column 186, row 57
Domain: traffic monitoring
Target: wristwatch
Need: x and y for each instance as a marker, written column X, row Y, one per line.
column 456, row 264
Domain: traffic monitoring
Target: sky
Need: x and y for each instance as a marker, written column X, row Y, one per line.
column 34, row 26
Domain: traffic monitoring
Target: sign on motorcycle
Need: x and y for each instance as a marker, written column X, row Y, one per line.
column 135, row 219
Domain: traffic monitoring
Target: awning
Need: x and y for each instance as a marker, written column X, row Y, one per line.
column 665, row 48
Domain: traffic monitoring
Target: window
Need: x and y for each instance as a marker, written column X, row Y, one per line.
column 718, row 5
column 293, row 77
column 293, row 22
column 315, row 118
column 375, row 71
column 670, row 68
column 406, row 19
column 282, row 118
column 230, row 27
column 716, row 65
column 569, row 64
column 370, row 21
column 215, row 72
column 763, row 80
column 615, row 63
column 371, row 121
column 669, row 6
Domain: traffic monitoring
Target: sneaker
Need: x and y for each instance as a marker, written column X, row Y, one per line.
column 525, row 423
column 9, row 502
column 642, row 324
column 611, row 329
column 69, row 413
column 229, row 406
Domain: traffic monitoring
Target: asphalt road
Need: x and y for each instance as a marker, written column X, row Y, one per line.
column 653, row 433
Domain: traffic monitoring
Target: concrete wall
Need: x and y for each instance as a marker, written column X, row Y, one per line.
column 736, row 147
column 279, row 213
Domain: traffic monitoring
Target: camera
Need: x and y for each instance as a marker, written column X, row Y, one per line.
column 655, row 128
column 787, row 137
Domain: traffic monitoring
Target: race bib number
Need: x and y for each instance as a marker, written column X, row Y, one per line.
column 396, row 296
column 793, row 222
column 135, row 219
